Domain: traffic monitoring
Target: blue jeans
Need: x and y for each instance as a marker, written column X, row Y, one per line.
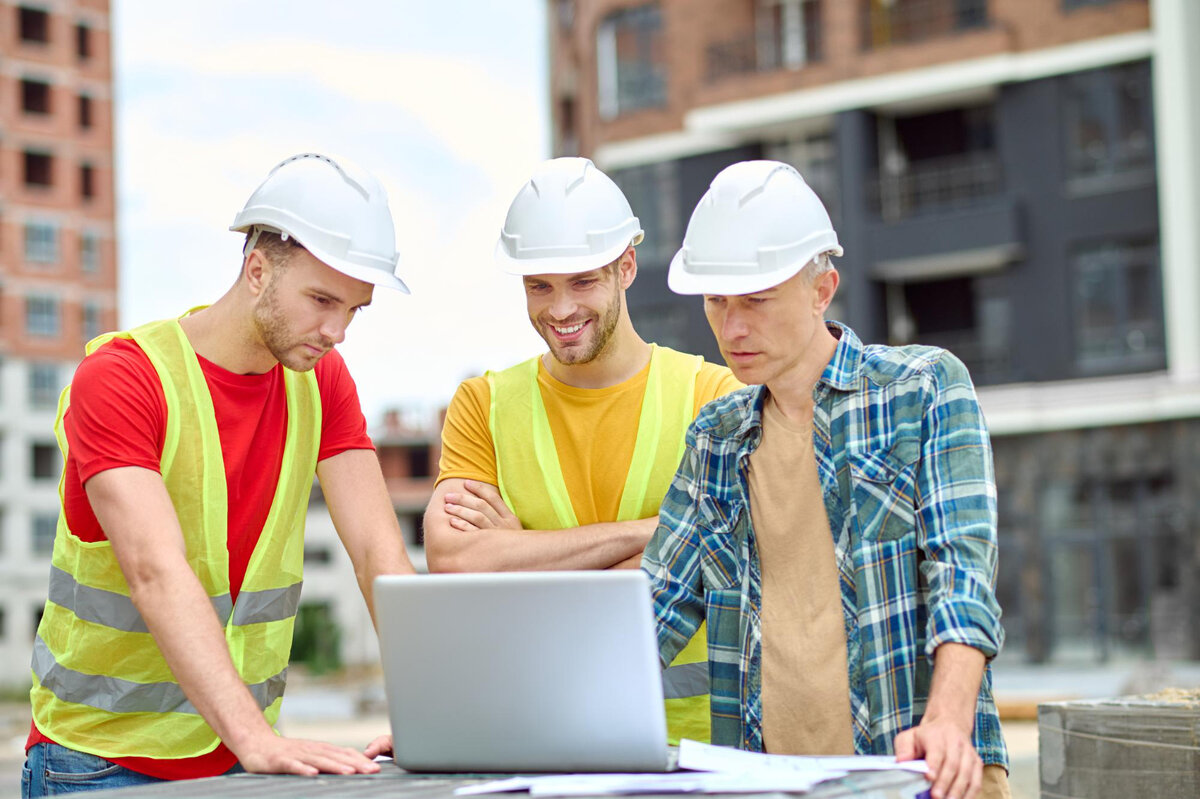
column 51, row 770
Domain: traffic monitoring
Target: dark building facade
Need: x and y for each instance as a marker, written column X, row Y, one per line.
column 993, row 169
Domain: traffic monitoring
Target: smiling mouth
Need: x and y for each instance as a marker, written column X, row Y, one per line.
column 568, row 332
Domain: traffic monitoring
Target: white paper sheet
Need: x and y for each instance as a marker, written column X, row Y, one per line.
column 696, row 756
column 678, row 782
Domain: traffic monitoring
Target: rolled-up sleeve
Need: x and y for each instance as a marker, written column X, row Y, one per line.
column 673, row 559
column 956, row 521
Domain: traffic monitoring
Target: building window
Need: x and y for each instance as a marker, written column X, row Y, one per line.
column 41, row 242
column 45, row 525
column 34, row 25
column 83, row 41
column 91, row 320
column 786, row 35
column 936, row 161
column 85, row 112
column 891, row 22
column 968, row 314
column 35, row 96
column 653, row 193
column 39, row 168
column 1109, row 115
column 44, row 385
column 89, row 252
column 1118, row 307
column 44, row 462
column 42, row 316
column 87, row 181
column 631, row 61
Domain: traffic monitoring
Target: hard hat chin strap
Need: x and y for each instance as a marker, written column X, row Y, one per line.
column 255, row 232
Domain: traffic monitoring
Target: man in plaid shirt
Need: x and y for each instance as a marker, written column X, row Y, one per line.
column 835, row 523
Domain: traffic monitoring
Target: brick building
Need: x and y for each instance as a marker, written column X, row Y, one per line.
column 58, row 271
column 1015, row 180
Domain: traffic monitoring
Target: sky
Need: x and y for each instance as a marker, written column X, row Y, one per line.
column 444, row 102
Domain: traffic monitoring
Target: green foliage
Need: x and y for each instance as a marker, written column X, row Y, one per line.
column 317, row 640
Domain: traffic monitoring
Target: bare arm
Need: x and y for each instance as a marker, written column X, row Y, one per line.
column 135, row 511
column 469, row 528
column 943, row 737
column 364, row 518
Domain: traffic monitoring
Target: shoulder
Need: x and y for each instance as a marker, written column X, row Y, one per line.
column 714, row 381
column 728, row 415
column 474, row 392
column 882, row 364
column 118, row 360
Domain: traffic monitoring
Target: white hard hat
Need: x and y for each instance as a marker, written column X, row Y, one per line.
column 335, row 209
column 570, row 217
column 758, row 224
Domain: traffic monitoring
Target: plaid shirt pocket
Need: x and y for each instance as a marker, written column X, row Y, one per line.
column 884, row 493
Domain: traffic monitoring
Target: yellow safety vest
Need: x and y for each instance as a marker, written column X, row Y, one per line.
column 100, row 683
column 532, row 485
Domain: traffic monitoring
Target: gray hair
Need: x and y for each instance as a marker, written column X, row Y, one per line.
column 819, row 265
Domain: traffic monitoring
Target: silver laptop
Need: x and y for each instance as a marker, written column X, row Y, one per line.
column 528, row 671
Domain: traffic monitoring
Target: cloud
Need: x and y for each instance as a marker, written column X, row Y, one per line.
column 452, row 138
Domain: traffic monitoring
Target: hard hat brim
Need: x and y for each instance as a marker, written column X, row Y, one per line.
column 375, row 275
column 681, row 280
column 562, row 265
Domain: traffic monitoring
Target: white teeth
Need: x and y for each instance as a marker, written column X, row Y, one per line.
column 566, row 331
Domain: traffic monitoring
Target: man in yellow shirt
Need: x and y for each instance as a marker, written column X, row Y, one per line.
column 562, row 461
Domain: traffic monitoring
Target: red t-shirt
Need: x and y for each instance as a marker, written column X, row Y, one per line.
column 117, row 417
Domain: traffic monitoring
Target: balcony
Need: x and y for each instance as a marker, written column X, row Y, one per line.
column 944, row 183
column 783, row 41
column 891, row 22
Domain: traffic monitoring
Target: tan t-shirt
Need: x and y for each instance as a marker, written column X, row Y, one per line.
column 805, row 689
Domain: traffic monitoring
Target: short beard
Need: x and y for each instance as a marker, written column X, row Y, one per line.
column 272, row 327
column 606, row 325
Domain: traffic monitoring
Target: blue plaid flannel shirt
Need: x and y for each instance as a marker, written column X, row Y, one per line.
column 905, row 466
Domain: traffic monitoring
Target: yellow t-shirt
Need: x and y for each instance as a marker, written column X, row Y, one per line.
column 594, row 432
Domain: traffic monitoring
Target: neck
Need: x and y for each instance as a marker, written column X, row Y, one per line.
column 792, row 390
column 624, row 356
column 224, row 334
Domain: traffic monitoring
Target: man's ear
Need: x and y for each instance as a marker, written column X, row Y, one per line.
column 256, row 269
column 627, row 267
column 826, row 287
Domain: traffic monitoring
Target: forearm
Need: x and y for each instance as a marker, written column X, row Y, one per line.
column 197, row 652
column 593, row 546
column 957, row 674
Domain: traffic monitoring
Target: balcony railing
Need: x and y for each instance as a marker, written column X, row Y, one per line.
column 936, row 184
column 769, row 48
column 890, row 22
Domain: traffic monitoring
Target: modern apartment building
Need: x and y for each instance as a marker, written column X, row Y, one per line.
column 1015, row 180
column 58, row 272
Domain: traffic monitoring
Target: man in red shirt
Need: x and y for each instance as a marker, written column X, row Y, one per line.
column 190, row 447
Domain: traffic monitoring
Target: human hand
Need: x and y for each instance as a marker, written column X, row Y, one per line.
column 955, row 768
column 479, row 507
column 380, row 746
column 274, row 754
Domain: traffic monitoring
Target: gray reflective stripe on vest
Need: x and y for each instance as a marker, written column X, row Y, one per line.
column 118, row 611
column 124, row 696
column 273, row 604
column 684, row 680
